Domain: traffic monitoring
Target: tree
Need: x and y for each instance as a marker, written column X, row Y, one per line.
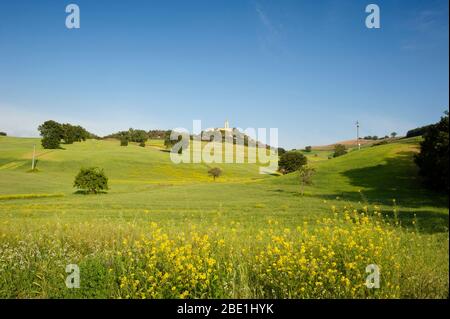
column 305, row 175
column 69, row 133
column 418, row 131
column 339, row 150
column 281, row 151
column 433, row 159
column 142, row 144
column 138, row 136
column 124, row 141
column 291, row 161
column 215, row 172
column 168, row 143
column 51, row 133
column 81, row 134
column 308, row 149
column 184, row 138
column 3, row 134
column 91, row 180
column 393, row 134
column 51, row 142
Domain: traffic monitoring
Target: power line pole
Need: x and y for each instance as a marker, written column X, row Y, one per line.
column 34, row 155
column 357, row 135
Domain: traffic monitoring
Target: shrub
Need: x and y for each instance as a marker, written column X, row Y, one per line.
column 91, row 180
column 418, row 131
column 142, row 144
column 69, row 133
column 308, row 149
column 305, row 174
column 383, row 142
column 433, row 159
column 51, row 141
column 3, row 134
column 339, row 150
column 291, row 161
column 51, row 133
column 124, row 141
column 215, row 172
column 138, row 136
column 281, row 151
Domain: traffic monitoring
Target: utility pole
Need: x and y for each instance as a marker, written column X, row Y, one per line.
column 357, row 135
column 34, row 155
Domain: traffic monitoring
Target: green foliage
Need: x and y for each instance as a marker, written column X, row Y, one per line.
column 433, row 159
column 215, row 172
column 168, row 143
column 291, row 161
column 52, row 132
column 305, row 174
column 183, row 137
column 69, row 132
column 73, row 133
column 418, row 131
column 138, row 136
column 394, row 134
column 51, row 141
column 50, row 127
column 281, row 151
column 308, row 149
column 91, row 180
column 124, row 138
column 3, row 134
column 124, row 141
column 383, row 142
column 156, row 134
column 339, row 150
column 142, row 144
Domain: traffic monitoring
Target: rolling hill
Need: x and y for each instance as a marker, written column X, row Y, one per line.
column 159, row 220
column 145, row 178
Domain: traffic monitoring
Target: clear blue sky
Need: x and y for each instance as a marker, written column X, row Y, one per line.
column 309, row 68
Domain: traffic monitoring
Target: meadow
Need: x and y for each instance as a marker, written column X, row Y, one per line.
column 170, row 231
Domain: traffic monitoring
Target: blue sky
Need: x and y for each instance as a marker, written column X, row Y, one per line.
column 309, row 68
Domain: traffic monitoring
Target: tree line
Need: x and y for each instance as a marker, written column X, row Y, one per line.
column 137, row 136
column 433, row 159
column 53, row 133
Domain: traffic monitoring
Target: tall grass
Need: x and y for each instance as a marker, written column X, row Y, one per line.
column 325, row 259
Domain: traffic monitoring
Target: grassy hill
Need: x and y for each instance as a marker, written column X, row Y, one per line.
column 145, row 178
column 250, row 212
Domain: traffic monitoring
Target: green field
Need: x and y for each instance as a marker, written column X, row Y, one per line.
column 156, row 206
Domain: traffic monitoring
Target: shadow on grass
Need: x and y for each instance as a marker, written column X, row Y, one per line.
column 397, row 179
column 426, row 221
column 85, row 192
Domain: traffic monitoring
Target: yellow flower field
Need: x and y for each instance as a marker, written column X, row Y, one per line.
column 325, row 260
